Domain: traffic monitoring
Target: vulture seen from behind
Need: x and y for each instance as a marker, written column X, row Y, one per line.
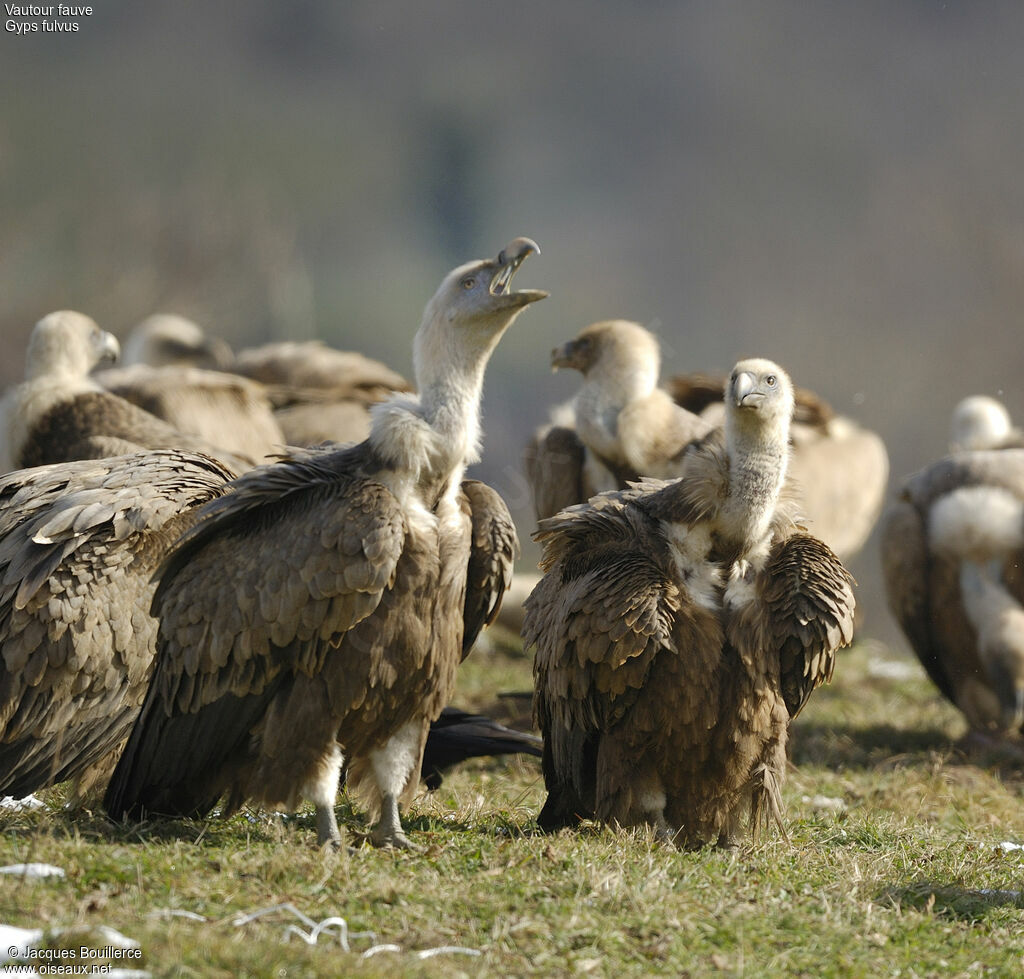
column 79, row 543
column 981, row 422
column 952, row 548
column 225, row 410
column 678, row 628
column 168, row 340
column 319, row 394
column 321, row 610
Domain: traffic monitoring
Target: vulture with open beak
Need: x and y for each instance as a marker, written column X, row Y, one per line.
column 321, row 610
column 678, row 628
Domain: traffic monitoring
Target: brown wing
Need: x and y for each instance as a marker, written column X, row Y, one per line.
column 312, row 364
column 806, row 606
column 553, row 461
column 78, row 545
column 82, row 423
column 494, row 548
column 226, row 410
column 260, row 590
column 906, row 571
column 599, row 617
column 321, row 420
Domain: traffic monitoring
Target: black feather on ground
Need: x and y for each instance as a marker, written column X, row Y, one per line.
column 457, row 735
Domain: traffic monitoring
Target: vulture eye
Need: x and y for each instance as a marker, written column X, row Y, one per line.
column 468, row 282
column 770, row 380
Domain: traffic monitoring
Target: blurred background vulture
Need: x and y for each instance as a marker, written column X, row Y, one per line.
column 621, row 425
column 60, row 413
column 168, row 340
column 952, row 549
column 79, row 543
column 318, row 394
column 322, row 610
column 678, row 627
column 225, row 410
column 982, row 422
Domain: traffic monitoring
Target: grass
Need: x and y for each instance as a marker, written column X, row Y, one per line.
column 892, row 868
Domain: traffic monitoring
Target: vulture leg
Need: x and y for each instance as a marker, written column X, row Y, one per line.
column 322, row 791
column 327, row 827
column 388, row 831
column 393, row 767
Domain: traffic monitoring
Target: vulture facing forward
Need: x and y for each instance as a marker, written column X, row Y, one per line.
column 79, row 543
column 59, row 413
column 621, row 425
column 953, row 561
column 323, row 606
column 679, row 627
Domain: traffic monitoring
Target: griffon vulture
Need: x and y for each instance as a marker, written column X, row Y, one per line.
column 981, row 422
column 323, row 608
column 226, row 410
column 320, row 394
column 78, row 546
column 679, row 627
column 166, row 340
column 59, row 413
column 953, row 560
column 622, row 426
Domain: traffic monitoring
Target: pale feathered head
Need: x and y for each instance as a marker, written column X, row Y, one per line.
column 610, row 352
column 68, row 344
column 471, row 309
column 166, row 340
column 979, row 422
column 758, row 394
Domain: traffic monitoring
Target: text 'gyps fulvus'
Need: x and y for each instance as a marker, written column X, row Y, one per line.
column 324, row 607
column 679, row 626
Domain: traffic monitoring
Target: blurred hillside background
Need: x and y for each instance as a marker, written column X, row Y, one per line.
column 835, row 185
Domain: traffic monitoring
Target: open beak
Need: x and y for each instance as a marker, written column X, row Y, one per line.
column 509, row 259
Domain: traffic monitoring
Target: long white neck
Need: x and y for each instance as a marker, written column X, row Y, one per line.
column 450, row 379
column 758, row 461
column 601, row 399
column 429, row 438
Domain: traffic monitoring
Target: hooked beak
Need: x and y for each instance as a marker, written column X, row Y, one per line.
column 564, row 356
column 745, row 391
column 110, row 349
column 508, row 261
